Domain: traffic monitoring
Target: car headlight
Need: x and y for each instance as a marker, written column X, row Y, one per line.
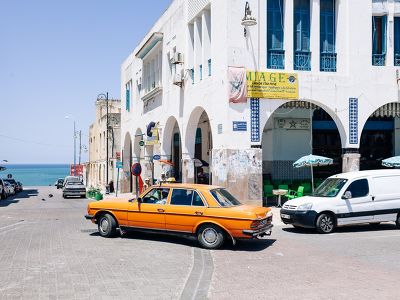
column 305, row 206
column 269, row 214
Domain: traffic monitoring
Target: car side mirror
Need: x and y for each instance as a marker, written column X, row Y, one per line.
column 139, row 200
column 347, row 195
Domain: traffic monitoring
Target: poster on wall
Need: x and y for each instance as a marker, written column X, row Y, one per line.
column 153, row 139
column 272, row 85
column 237, row 84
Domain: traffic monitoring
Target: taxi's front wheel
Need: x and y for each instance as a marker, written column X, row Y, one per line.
column 210, row 236
column 107, row 226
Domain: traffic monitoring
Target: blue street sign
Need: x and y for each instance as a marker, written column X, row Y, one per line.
column 118, row 164
column 156, row 157
column 239, row 126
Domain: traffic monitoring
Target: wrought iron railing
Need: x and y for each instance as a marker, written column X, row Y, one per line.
column 328, row 62
column 378, row 59
column 302, row 60
column 397, row 58
column 276, row 59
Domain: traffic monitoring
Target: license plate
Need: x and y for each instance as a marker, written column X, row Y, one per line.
column 283, row 216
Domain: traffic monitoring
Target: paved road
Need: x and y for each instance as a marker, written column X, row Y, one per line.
column 49, row 251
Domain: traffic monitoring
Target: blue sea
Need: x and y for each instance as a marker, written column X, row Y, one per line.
column 35, row 174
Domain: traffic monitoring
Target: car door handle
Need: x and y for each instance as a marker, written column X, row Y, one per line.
column 199, row 213
column 160, row 210
column 373, row 198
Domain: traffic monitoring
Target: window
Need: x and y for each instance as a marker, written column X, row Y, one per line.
column 378, row 40
column 198, row 136
column 128, row 96
column 186, row 197
column 192, row 75
column 209, row 67
column 275, row 54
column 156, row 196
column 358, row 188
column 224, row 198
column 302, row 54
column 397, row 41
column 327, row 36
column 330, row 187
column 201, row 72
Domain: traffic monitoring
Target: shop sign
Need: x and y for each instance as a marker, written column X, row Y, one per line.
column 272, row 85
column 156, row 157
column 141, row 143
column 118, row 164
column 239, row 126
column 292, row 123
column 152, row 140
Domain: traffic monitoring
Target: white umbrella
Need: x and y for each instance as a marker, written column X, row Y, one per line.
column 392, row 162
column 312, row 161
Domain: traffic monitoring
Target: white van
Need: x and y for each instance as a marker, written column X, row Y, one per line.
column 348, row 198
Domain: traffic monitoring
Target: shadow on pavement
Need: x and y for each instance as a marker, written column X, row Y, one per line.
column 344, row 229
column 17, row 197
column 191, row 241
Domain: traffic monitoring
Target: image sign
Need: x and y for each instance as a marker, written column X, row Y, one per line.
column 156, row 157
column 239, row 126
column 119, row 164
column 272, row 85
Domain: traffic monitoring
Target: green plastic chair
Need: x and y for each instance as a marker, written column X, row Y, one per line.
column 295, row 194
column 268, row 190
column 283, row 187
column 307, row 188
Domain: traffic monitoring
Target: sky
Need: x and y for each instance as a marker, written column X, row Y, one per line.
column 56, row 56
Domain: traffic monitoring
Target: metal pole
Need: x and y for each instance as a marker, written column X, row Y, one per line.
column 80, row 147
column 107, row 138
column 74, row 150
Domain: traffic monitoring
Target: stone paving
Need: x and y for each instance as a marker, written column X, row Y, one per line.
column 49, row 251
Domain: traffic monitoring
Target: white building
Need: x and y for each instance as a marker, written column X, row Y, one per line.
column 96, row 168
column 345, row 54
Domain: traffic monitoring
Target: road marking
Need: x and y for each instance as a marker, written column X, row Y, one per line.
column 11, row 225
column 198, row 283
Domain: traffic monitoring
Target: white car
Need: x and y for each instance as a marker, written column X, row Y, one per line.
column 9, row 188
column 348, row 198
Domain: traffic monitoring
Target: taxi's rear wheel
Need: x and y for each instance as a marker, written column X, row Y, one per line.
column 210, row 236
column 107, row 226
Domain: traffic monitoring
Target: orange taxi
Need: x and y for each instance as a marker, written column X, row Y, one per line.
column 209, row 212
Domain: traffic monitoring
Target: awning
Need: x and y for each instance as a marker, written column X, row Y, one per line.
column 150, row 44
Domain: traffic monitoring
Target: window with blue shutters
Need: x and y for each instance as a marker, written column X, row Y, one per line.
column 198, row 136
column 397, row 41
column 327, row 36
column 128, row 99
column 275, row 52
column 379, row 40
column 302, row 54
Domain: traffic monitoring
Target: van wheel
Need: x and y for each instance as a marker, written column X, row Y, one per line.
column 107, row 226
column 375, row 224
column 210, row 236
column 398, row 221
column 325, row 223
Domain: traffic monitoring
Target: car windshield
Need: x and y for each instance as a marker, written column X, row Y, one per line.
column 224, row 198
column 330, row 187
column 12, row 181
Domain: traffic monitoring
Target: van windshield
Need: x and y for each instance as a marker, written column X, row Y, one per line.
column 330, row 187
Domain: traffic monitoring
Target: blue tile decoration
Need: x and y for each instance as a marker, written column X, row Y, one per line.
column 255, row 119
column 353, row 121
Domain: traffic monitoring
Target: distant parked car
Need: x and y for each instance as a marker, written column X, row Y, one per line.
column 59, row 183
column 71, row 179
column 9, row 188
column 74, row 188
column 20, row 187
column 3, row 194
column 12, row 182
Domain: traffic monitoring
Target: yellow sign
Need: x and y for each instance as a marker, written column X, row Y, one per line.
column 272, row 85
column 153, row 139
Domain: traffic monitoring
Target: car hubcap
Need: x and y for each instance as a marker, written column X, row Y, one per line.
column 104, row 225
column 326, row 224
column 210, row 236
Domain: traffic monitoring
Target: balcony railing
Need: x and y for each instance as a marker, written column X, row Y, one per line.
column 397, row 59
column 328, row 62
column 378, row 59
column 302, row 60
column 276, row 59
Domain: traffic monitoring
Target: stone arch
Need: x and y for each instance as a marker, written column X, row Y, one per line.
column 172, row 149
column 127, row 162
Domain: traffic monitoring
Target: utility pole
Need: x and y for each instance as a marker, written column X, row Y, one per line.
column 80, row 146
column 107, row 138
column 74, row 150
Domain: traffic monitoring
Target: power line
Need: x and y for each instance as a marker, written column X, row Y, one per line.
column 32, row 142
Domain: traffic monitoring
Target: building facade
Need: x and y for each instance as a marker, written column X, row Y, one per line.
column 344, row 55
column 96, row 168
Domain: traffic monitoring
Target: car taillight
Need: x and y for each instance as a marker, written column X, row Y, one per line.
column 255, row 224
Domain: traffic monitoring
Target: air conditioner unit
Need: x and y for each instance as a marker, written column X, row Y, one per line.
column 177, row 58
column 178, row 79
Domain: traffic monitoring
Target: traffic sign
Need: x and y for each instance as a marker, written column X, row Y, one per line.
column 118, row 164
column 141, row 143
column 156, row 157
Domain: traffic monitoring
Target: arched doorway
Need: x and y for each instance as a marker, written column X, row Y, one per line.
column 199, row 144
column 126, row 185
column 172, row 149
column 380, row 137
column 296, row 129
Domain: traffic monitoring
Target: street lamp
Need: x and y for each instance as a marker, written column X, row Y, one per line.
column 68, row 117
column 105, row 97
column 248, row 20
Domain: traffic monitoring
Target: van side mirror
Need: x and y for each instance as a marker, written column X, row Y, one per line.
column 347, row 195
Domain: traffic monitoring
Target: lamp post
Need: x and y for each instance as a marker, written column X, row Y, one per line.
column 248, row 20
column 68, row 117
column 105, row 97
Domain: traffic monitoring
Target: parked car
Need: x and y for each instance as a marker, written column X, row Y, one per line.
column 72, row 179
column 3, row 194
column 74, row 188
column 20, row 186
column 59, row 183
column 12, row 182
column 345, row 199
column 9, row 188
column 210, row 213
